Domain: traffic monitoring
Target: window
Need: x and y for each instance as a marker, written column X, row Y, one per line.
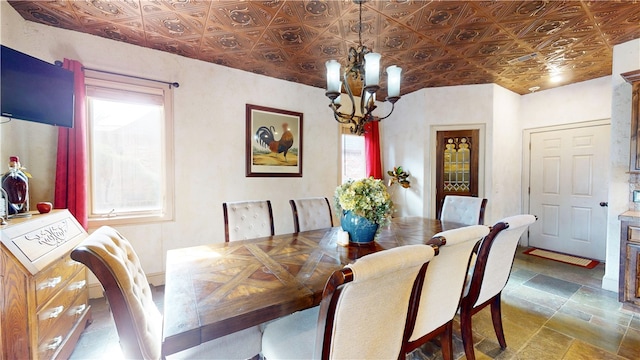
column 354, row 162
column 130, row 129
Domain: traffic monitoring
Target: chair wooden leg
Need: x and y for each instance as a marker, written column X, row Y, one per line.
column 467, row 334
column 496, row 317
column 446, row 341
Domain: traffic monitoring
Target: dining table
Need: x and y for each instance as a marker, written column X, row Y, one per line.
column 217, row 289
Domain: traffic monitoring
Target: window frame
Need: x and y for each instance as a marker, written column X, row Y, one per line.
column 96, row 79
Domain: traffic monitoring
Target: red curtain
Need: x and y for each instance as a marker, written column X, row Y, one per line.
column 71, row 162
column 372, row 149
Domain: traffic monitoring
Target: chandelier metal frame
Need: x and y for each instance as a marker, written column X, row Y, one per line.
column 356, row 70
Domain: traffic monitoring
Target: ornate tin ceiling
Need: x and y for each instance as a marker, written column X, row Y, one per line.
column 515, row 44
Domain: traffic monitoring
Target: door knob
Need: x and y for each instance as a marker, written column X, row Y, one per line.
column 604, row 204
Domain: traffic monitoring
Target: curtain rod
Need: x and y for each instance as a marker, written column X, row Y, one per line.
column 174, row 84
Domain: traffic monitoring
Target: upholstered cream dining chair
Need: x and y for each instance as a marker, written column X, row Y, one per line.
column 442, row 289
column 112, row 259
column 362, row 314
column 489, row 275
column 311, row 213
column 247, row 219
column 467, row 210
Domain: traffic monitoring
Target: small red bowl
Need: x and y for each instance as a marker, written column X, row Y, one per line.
column 44, row 207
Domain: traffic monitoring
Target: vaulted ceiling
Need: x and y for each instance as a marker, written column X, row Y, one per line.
column 519, row 45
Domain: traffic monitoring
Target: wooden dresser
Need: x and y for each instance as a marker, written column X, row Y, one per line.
column 44, row 294
column 629, row 283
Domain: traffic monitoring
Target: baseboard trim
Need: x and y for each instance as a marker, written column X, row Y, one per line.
column 610, row 284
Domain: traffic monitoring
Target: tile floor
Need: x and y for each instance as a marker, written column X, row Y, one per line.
column 550, row 311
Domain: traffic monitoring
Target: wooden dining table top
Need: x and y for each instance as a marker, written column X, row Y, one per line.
column 217, row 289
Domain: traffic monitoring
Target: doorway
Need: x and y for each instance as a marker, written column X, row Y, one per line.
column 568, row 186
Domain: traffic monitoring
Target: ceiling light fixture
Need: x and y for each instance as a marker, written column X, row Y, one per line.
column 364, row 67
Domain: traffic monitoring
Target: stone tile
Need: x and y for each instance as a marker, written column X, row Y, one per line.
column 553, row 286
column 635, row 322
column 545, row 344
column 630, row 346
column 588, row 312
column 597, row 298
column 580, row 350
column 534, row 296
column 605, row 336
column 519, row 276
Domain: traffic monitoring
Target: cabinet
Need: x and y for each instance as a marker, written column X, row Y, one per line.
column 633, row 77
column 629, row 280
column 44, row 305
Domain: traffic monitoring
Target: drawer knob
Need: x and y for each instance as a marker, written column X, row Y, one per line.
column 51, row 283
column 53, row 313
column 79, row 309
column 55, row 342
column 77, row 285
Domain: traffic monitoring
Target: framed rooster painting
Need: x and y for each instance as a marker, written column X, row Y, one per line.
column 274, row 142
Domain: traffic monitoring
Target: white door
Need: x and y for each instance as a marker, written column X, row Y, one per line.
column 568, row 190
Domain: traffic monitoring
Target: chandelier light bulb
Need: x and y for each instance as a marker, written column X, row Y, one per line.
column 372, row 69
column 333, row 76
column 393, row 81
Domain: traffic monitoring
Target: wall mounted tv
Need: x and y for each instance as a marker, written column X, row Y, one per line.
column 35, row 90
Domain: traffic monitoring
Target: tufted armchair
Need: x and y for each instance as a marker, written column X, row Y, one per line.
column 466, row 210
column 311, row 213
column 138, row 321
column 362, row 314
column 443, row 285
column 489, row 275
column 247, row 220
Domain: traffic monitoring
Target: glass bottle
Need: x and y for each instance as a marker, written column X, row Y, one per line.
column 16, row 183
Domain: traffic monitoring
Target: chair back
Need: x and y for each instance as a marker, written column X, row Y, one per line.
column 445, row 278
column 364, row 308
column 465, row 210
column 113, row 261
column 247, row 220
column 311, row 213
column 495, row 259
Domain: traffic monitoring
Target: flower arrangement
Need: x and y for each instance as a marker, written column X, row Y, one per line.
column 367, row 198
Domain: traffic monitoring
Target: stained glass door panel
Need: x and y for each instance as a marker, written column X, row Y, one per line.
column 456, row 164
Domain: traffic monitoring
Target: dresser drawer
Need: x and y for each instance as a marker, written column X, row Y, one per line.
column 57, row 319
column 67, row 306
column 634, row 234
column 51, row 280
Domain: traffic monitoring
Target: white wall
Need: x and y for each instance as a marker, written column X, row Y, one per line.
column 409, row 140
column 579, row 102
column 209, row 112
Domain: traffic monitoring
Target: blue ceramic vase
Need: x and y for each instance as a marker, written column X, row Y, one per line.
column 361, row 230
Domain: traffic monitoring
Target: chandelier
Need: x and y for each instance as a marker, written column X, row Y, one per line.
column 363, row 67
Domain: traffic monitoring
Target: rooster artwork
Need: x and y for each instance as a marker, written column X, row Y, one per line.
column 266, row 137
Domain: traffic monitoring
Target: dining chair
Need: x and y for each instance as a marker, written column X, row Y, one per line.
column 442, row 290
column 467, row 210
column 363, row 312
column 247, row 219
column 311, row 213
column 114, row 262
column 489, row 275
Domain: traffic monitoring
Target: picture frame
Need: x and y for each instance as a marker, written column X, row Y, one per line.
column 274, row 142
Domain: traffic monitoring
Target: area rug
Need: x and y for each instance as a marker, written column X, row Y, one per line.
column 567, row 259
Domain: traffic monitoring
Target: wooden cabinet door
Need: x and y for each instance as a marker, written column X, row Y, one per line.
column 456, row 164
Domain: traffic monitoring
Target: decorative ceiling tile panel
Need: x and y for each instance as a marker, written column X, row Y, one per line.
column 515, row 44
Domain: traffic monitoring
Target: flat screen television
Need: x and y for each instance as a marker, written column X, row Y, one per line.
column 35, row 90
